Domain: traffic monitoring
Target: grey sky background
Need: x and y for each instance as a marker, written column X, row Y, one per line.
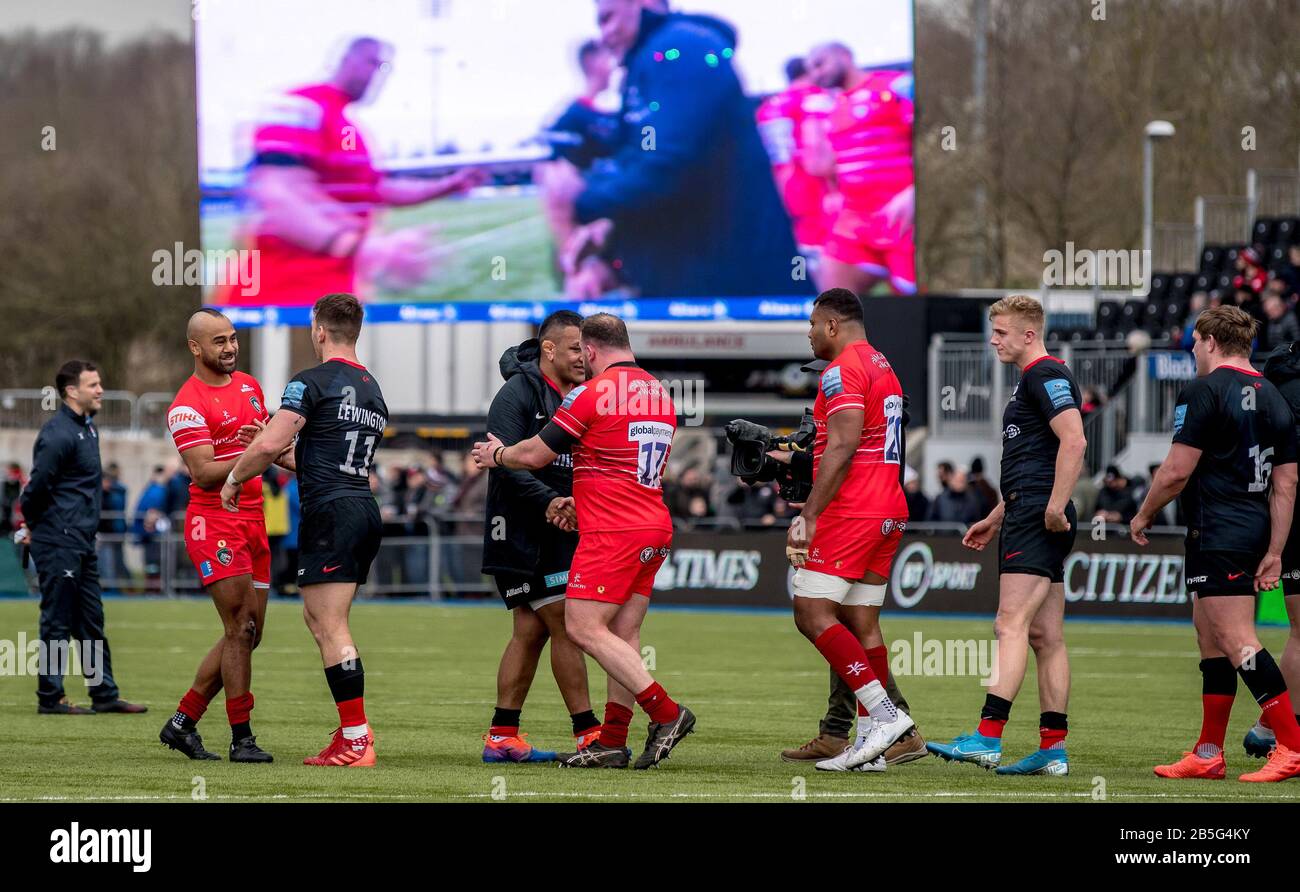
column 117, row 19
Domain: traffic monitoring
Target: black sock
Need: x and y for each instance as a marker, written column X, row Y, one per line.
column 1055, row 721
column 240, row 731
column 182, row 722
column 506, row 718
column 1264, row 679
column 996, row 708
column 347, row 680
column 1218, row 677
column 583, row 721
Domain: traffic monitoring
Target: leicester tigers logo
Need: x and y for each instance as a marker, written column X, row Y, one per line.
column 257, row 406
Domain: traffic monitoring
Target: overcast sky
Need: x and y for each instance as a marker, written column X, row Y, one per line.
column 117, row 19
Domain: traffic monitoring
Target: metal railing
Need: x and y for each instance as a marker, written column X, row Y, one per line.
column 1224, row 219
column 30, row 408
column 1274, row 193
column 1176, row 247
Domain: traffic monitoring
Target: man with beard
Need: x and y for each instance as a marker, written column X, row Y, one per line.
column 229, row 551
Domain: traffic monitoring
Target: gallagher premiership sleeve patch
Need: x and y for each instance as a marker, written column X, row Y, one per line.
column 1058, row 391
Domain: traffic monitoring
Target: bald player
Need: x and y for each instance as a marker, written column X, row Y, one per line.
column 229, row 551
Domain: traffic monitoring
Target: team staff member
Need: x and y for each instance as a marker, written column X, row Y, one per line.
column 1042, row 455
column 527, row 553
column 338, row 414
column 61, row 508
column 844, row 540
column 231, row 555
column 620, row 426
column 1232, row 463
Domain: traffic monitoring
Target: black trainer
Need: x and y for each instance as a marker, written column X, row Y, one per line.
column 245, row 749
column 63, row 707
column 595, row 755
column 663, row 737
column 187, row 742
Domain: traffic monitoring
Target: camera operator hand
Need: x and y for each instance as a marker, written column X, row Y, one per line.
column 801, row 533
column 781, row 456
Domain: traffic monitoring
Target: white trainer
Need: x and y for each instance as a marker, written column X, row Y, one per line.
column 840, row 763
column 880, row 737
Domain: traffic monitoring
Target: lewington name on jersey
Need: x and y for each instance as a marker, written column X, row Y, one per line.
column 364, row 417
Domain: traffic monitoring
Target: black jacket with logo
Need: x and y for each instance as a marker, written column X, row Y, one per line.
column 63, row 494
column 517, row 537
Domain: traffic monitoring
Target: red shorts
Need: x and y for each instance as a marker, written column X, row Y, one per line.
column 850, row 547
column 861, row 238
column 221, row 545
column 614, row 566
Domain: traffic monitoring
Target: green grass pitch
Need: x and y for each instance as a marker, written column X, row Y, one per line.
column 754, row 683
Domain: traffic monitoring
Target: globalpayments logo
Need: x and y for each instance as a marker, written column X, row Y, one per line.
column 1086, row 268
column 78, row 845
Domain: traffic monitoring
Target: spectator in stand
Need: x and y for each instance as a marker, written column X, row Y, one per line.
column 1115, row 502
column 1092, row 401
column 958, row 503
column 10, row 489
column 112, row 522
column 751, row 505
column 944, row 471
column 286, row 583
column 1251, row 274
column 1084, row 496
column 150, row 524
column 417, row 514
column 1280, row 325
column 988, row 496
column 275, row 511
column 1246, row 299
column 918, row 506
column 178, row 491
column 470, row 503
column 1289, row 274
column 687, row 497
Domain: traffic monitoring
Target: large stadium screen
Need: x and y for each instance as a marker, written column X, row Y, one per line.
column 495, row 159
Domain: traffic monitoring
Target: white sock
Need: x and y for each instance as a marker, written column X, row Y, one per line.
column 877, row 702
column 355, row 732
column 1208, row 750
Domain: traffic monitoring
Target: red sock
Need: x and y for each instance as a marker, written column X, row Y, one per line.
column 1281, row 718
column 992, row 727
column 1049, row 737
column 878, row 659
column 193, row 704
column 238, row 709
column 845, row 654
column 1215, row 709
column 352, row 712
column 617, row 718
column 657, row 704
column 503, row 731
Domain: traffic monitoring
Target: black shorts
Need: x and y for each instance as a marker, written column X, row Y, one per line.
column 1291, row 567
column 1216, row 573
column 1024, row 543
column 338, row 541
column 520, row 589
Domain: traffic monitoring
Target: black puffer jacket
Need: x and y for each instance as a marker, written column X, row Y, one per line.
column 1282, row 367
column 517, row 538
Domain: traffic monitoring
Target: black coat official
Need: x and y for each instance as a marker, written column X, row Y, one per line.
column 517, row 538
column 61, row 509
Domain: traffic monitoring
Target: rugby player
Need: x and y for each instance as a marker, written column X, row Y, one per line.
column 1283, row 369
column 317, row 189
column 1042, row 455
column 844, row 539
column 527, row 554
column 229, row 552
column 337, row 412
column 619, row 426
column 865, row 144
column 1233, row 465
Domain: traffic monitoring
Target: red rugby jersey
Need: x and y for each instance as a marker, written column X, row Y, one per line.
column 861, row 378
column 203, row 415
column 623, row 421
